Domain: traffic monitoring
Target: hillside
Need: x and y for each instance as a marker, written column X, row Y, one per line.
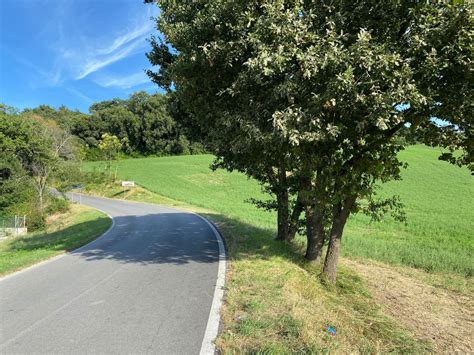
column 274, row 301
column 437, row 197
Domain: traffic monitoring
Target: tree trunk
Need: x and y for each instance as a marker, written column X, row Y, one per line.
column 334, row 248
column 40, row 185
column 40, row 198
column 310, row 235
column 314, row 234
column 294, row 219
column 335, row 236
column 282, row 201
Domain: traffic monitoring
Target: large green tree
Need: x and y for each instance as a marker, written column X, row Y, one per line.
column 322, row 89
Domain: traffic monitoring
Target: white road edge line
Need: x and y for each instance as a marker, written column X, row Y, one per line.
column 212, row 328
column 57, row 257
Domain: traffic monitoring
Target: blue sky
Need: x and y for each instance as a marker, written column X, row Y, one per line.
column 73, row 52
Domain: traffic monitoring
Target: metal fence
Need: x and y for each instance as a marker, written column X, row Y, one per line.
column 12, row 225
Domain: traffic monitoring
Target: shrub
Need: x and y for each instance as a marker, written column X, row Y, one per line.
column 57, row 205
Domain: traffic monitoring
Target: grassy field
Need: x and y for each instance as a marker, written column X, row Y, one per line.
column 438, row 198
column 64, row 232
column 274, row 300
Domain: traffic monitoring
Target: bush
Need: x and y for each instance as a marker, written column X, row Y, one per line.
column 93, row 154
column 180, row 146
column 95, row 177
column 57, row 205
column 197, row 148
column 35, row 220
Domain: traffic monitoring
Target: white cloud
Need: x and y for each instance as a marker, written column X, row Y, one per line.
column 94, row 62
column 139, row 32
column 80, row 95
column 124, row 82
column 90, row 55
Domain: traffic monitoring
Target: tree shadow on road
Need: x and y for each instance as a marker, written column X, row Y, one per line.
column 161, row 238
column 180, row 238
column 164, row 238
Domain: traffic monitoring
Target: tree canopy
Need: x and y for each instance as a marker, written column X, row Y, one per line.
column 309, row 96
column 142, row 121
column 147, row 124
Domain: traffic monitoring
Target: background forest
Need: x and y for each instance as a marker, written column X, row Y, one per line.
column 44, row 147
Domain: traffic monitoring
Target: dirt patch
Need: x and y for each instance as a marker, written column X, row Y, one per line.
column 53, row 218
column 442, row 317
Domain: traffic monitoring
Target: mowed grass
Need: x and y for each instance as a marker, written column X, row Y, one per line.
column 439, row 200
column 65, row 232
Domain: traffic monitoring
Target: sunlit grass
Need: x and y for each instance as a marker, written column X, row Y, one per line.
column 274, row 300
column 439, row 200
column 69, row 231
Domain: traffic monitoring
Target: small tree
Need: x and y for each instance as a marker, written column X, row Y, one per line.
column 110, row 145
column 63, row 148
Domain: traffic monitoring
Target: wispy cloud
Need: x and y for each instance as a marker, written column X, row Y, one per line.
column 114, row 48
column 90, row 55
column 124, row 82
column 139, row 32
column 80, row 95
column 95, row 62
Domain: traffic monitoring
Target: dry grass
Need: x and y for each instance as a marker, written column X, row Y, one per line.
column 443, row 317
column 276, row 303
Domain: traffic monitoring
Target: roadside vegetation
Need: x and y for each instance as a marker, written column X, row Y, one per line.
column 37, row 154
column 274, row 300
column 64, row 231
column 39, row 160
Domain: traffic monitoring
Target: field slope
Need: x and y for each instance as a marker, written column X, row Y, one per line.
column 274, row 300
column 438, row 198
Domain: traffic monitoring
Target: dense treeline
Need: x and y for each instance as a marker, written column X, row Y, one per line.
column 142, row 123
column 35, row 151
column 41, row 147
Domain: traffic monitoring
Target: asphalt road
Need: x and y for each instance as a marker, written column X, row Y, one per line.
column 146, row 286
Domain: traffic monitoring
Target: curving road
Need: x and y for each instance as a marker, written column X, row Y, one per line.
column 145, row 286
